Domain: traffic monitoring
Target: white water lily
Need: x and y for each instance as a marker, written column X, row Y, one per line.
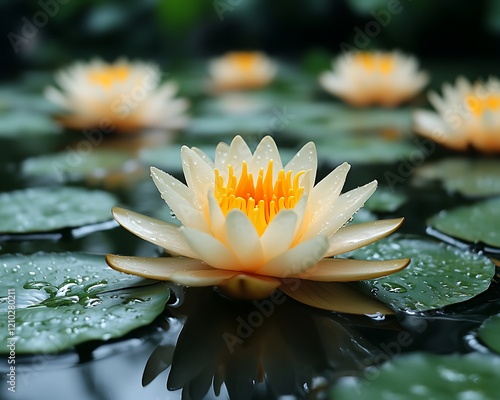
column 364, row 78
column 249, row 223
column 121, row 96
column 241, row 70
column 467, row 114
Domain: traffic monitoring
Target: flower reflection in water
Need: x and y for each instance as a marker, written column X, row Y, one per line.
column 263, row 349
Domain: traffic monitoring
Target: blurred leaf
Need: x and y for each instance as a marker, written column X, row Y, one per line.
column 425, row 376
column 478, row 177
column 489, row 332
column 178, row 15
column 385, row 200
column 52, row 208
column 26, row 123
column 475, row 223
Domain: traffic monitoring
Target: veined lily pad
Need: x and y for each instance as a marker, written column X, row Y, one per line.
column 469, row 177
column 385, row 200
column 489, row 332
column 51, row 208
column 479, row 222
column 363, row 149
column 426, row 376
column 437, row 276
column 70, row 165
column 63, row 299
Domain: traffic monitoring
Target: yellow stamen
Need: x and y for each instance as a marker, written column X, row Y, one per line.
column 109, row 75
column 243, row 60
column 260, row 200
column 478, row 105
column 376, row 62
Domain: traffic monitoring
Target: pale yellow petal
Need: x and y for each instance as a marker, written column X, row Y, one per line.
column 155, row 231
column 204, row 157
column 210, row 250
column 199, row 175
column 333, row 296
column 174, row 193
column 355, row 236
column 184, row 271
column 243, row 240
column 306, row 159
column 345, row 270
column 266, row 151
column 279, row 234
column 297, row 259
column 217, row 218
column 340, row 212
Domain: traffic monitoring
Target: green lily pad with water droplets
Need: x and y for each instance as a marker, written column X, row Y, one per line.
column 64, row 299
column 422, row 376
column 489, row 332
column 49, row 209
column 470, row 177
column 475, row 223
column 385, row 200
column 438, row 275
column 70, row 166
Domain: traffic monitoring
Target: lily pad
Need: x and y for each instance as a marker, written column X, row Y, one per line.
column 426, row 376
column 438, row 275
column 51, row 208
column 475, row 223
column 224, row 125
column 63, row 299
column 69, row 166
column 17, row 123
column 489, row 332
column 363, row 149
column 385, row 200
column 474, row 178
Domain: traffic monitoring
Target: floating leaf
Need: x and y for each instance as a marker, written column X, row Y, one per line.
column 363, row 149
column 437, row 276
column 426, row 376
column 231, row 125
column 478, row 177
column 63, row 299
column 479, row 222
column 17, row 123
column 385, row 200
column 71, row 165
column 51, row 208
column 489, row 332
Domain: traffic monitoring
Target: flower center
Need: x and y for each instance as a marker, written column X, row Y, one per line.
column 371, row 62
column 479, row 105
column 243, row 61
column 261, row 199
column 109, row 75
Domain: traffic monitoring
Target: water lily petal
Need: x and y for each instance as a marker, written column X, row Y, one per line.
column 327, row 191
column 304, row 160
column 249, row 287
column 210, row 250
column 266, row 151
column 175, row 196
column 185, row 271
column 203, row 156
column 340, row 211
column 279, row 234
column 334, row 296
column 199, row 175
column 297, row 259
column 345, row 270
column 233, row 155
column 358, row 235
column 431, row 125
column 243, row 240
column 217, row 218
column 155, row 231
